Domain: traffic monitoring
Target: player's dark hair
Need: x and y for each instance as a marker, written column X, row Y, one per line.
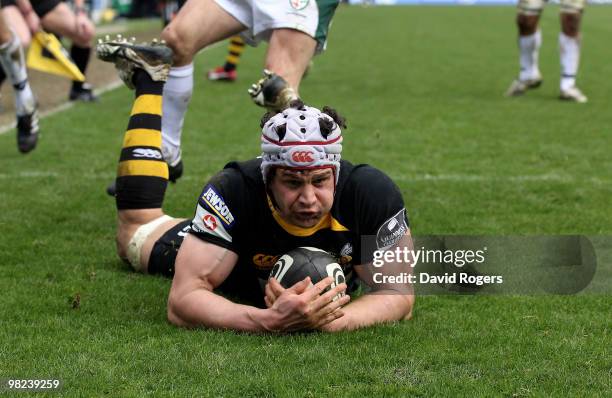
column 331, row 112
column 267, row 116
column 326, row 126
column 297, row 104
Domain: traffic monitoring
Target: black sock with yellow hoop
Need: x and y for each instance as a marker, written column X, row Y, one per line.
column 236, row 47
column 142, row 174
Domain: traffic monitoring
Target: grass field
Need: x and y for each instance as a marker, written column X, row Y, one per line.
column 422, row 90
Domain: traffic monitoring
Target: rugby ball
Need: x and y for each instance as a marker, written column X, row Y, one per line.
column 299, row 263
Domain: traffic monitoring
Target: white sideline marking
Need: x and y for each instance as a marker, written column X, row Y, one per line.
column 67, row 105
column 111, row 29
column 62, row 107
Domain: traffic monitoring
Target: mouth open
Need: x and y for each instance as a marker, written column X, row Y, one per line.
column 308, row 216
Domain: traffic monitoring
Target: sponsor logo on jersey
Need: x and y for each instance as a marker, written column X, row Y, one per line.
column 302, row 156
column 392, row 230
column 216, row 203
column 209, row 222
column 346, row 252
column 264, row 261
column 299, row 4
column 146, row 153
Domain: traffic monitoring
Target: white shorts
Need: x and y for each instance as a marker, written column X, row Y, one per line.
column 262, row 16
column 139, row 238
column 534, row 7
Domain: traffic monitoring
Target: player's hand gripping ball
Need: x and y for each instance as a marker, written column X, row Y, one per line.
column 299, row 263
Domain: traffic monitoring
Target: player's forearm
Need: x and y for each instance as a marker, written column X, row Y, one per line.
column 207, row 309
column 372, row 309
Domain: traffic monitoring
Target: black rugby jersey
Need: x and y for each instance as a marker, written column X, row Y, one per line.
column 234, row 212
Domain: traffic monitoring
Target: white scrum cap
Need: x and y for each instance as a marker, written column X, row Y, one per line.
column 294, row 139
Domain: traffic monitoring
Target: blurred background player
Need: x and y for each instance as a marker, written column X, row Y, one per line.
column 227, row 72
column 58, row 18
column 299, row 30
column 13, row 65
column 530, row 39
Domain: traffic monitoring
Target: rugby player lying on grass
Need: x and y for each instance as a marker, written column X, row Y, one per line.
column 299, row 193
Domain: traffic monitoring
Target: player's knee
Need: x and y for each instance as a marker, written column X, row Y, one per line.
column 87, row 35
column 173, row 318
column 125, row 232
column 527, row 24
column 120, row 248
column 26, row 40
column 180, row 42
column 123, row 238
column 24, row 36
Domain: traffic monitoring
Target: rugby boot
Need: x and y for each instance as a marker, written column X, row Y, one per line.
column 573, row 94
column 520, row 87
column 27, row 131
column 220, row 74
column 154, row 58
column 272, row 92
column 175, row 170
column 84, row 93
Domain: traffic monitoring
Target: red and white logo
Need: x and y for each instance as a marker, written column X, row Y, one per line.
column 302, row 157
column 209, row 222
column 299, row 4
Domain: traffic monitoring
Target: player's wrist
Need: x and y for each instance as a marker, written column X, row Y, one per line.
column 266, row 320
column 336, row 325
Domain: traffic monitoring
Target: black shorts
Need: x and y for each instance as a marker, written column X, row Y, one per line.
column 41, row 7
column 241, row 285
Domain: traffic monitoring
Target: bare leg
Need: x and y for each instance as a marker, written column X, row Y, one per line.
column 142, row 180
column 529, row 41
column 198, row 24
column 142, row 175
column 527, row 24
column 289, row 54
column 80, row 30
column 12, row 64
column 63, row 21
column 569, row 53
column 17, row 24
column 5, row 33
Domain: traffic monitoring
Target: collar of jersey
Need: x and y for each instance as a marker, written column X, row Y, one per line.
column 327, row 222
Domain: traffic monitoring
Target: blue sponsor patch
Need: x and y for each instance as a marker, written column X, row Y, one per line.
column 211, row 200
